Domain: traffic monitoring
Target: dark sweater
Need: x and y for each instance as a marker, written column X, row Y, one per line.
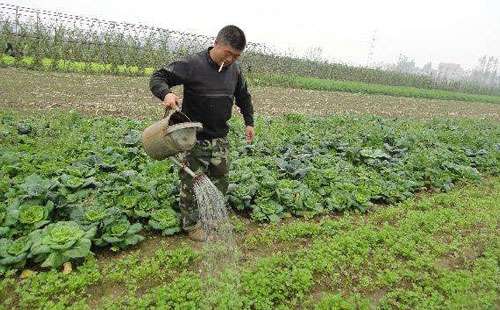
column 208, row 94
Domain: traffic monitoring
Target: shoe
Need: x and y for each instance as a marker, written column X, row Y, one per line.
column 197, row 234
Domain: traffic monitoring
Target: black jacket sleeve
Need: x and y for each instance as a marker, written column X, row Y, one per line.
column 244, row 99
column 165, row 78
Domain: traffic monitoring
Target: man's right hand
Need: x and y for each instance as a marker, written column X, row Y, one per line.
column 171, row 101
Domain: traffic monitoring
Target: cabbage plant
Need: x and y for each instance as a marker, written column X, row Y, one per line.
column 267, row 210
column 60, row 242
column 4, row 229
column 24, row 217
column 14, row 253
column 145, row 206
column 34, row 215
column 96, row 215
column 120, row 234
column 166, row 220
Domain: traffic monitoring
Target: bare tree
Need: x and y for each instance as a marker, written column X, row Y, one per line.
column 486, row 71
column 315, row 53
column 427, row 68
column 405, row 64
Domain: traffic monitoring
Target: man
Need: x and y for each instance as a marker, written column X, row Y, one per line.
column 212, row 80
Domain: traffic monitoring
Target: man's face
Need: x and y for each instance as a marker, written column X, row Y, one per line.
column 226, row 53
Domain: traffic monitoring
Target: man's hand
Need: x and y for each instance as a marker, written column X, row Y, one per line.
column 171, row 101
column 249, row 133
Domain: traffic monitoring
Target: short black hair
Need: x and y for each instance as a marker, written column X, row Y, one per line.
column 233, row 36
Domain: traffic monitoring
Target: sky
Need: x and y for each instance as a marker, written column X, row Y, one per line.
column 452, row 31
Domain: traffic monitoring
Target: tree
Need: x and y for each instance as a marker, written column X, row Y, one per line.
column 405, row 64
column 315, row 53
column 427, row 68
column 486, row 71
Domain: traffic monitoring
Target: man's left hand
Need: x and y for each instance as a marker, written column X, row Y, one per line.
column 249, row 133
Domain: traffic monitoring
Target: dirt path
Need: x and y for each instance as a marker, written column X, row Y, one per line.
column 130, row 96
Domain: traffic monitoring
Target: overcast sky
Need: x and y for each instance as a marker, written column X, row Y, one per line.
column 456, row 31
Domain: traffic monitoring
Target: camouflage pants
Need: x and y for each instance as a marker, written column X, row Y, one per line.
column 211, row 158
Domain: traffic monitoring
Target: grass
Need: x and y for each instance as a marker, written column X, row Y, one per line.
column 287, row 81
column 435, row 251
column 290, row 81
column 47, row 64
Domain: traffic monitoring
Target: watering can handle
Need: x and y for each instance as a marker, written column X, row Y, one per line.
column 169, row 112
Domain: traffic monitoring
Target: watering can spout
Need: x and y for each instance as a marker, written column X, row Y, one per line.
column 184, row 167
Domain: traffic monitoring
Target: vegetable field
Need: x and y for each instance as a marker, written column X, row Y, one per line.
column 71, row 183
column 352, row 211
column 69, row 180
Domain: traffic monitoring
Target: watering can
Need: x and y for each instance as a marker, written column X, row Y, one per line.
column 173, row 134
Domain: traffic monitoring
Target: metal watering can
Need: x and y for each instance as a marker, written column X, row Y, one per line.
column 173, row 134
